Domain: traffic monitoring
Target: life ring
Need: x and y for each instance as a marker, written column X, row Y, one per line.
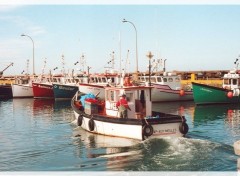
column 79, row 120
column 147, row 130
column 188, row 87
column 183, row 128
column 91, row 125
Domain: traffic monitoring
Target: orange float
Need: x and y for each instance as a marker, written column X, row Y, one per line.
column 230, row 94
column 181, row 92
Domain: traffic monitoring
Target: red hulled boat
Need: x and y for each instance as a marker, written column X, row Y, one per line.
column 43, row 90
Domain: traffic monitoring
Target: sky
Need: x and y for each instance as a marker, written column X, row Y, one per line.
column 191, row 37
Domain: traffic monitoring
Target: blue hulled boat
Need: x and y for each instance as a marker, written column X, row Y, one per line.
column 64, row 91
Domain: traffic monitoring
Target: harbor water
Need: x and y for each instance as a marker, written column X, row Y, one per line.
column 41, row 135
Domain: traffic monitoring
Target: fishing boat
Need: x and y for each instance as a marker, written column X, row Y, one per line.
column 167, row 87
column 228, row 93
column 102, row 117
column 5, row 91
column 23, row 87
column 43, row 90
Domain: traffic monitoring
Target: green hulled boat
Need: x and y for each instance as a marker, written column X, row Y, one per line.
column 205, row 94
column 228, row 93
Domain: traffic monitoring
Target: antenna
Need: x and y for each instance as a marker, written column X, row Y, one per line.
column 44, row 66
column 236, row 63
column 127, row 63
column 83, row 61
column 63, row 63
column 27, row 67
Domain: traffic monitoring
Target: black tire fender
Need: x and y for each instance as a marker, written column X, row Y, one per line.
column 183, row 128
column 147, row 130
column 91, row 124
column 79, row 120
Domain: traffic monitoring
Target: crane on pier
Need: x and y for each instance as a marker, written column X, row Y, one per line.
column 1, row 72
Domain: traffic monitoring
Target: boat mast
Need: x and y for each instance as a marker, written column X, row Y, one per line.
column 149, row 55
column 63, row 67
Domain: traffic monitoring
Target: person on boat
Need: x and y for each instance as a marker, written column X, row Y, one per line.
column 122, row 106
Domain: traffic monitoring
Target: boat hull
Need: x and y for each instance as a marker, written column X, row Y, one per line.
column 163, row 93
column 41, row 90
column 167, row 126
column 5, row 91
column 22, row 91
column 62, row 91
column 205, row 94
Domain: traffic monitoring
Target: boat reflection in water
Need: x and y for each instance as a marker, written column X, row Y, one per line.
column 227, row 112
column 105, row 150
column 216, row 121
column 43, row 106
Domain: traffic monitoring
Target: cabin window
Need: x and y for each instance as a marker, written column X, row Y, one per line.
column 226, row 81
column 153, row 79
column 112, row 80
column 164, row 79
column 177, row 79
column 170, row 80
column 159, row 79
column 104, row 80
column 111, row 95
column 91, row 80
column 234, row 81
column 24, row 81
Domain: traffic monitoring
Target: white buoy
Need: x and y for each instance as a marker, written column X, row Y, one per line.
column 236, row 147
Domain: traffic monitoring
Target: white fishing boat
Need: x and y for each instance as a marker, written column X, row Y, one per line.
column 23, row 87
column 167, row 87
column 102, row 117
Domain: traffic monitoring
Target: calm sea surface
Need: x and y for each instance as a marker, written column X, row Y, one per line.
column 41, row 135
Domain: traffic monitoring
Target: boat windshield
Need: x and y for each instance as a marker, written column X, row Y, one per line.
column 177, row 79
column 159, row 79
column 153, row 79
column 226, row 81
column 170, row 80
column 234, row 81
